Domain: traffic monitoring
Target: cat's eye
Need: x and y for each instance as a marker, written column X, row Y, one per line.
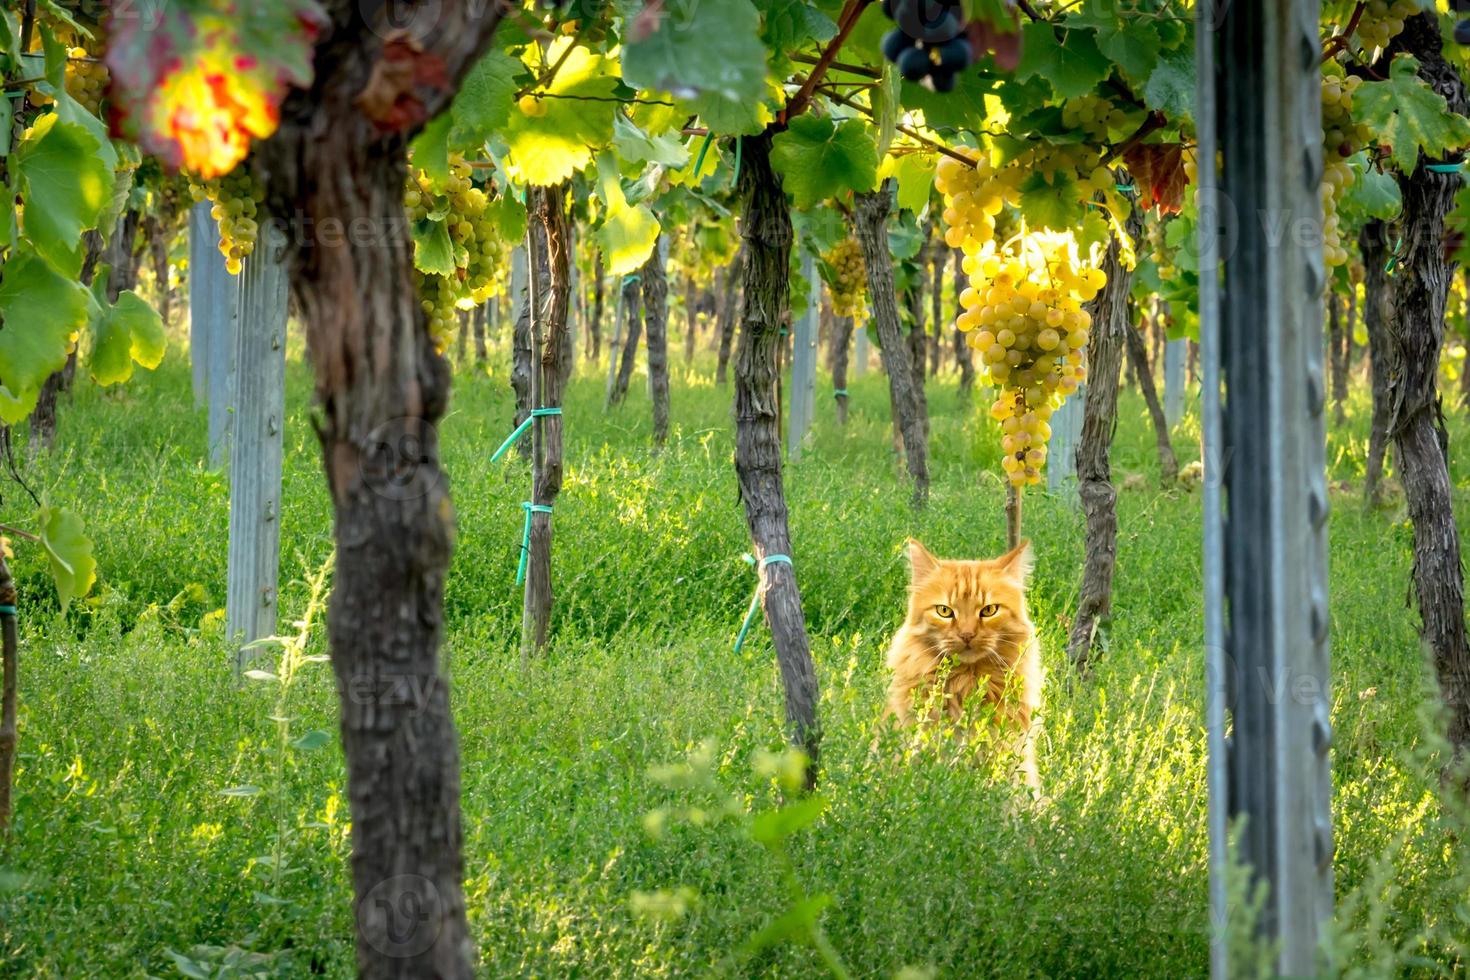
column 943, row 611
column 989, row 611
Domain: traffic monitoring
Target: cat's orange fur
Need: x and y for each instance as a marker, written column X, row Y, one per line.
column 946, row 636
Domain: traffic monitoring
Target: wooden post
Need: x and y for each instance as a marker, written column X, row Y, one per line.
column 1266, row 614
column 256, row 446
column 860, row 350
column 1174, row 381
column 803, row 365
column 213, row 296
column 1061, row 448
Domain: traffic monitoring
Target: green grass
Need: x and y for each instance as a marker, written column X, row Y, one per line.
column 124, row 848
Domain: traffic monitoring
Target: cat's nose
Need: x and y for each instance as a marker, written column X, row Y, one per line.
column 966, row 637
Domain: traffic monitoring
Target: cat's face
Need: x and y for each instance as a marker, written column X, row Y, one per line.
column 970, row 610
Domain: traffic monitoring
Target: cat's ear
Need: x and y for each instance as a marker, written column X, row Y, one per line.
column 1017, row 562
column 921, row 563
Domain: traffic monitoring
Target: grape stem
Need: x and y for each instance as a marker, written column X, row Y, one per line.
column 810, row 59
column 18, row 533
column 852, row 10
column 1153, row 121
column 1339, row 41
column 908, row 131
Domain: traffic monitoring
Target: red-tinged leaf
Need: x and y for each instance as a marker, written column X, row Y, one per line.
column 995, row 27
column 1158, row 170
column 391, row 97
column 196, row 84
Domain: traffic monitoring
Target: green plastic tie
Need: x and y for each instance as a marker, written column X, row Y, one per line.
column 8, row 611
column 530, row 509
column 1444, row 168
column 510, row 440
column 839, row 393
column 1126, row 188
column 755, row 600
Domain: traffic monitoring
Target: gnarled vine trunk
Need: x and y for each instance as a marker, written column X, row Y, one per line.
column 43, row 416
column 841, row 341
column 594, row 321
column 1094, row 473
column 633, row 317
column 1138, row 357
column 482, row 313
column 691, row 319
column 521, row 345
column 381, row 387
column 1377, row 309
column 962, row 354
column 730, row 311
column 869, row 217
column 1416, row 424
column 766, row 230
column 656, row 311
column 551, row 295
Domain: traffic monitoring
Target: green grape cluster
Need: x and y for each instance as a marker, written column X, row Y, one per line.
column 237, row 198
column 1023, row 312
column 1342, row 136
column 1095, row 116
column 86, row 79
column 1383, row 21
column 472, row 232
column 849, row 284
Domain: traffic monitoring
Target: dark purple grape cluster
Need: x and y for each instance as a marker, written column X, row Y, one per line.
column 930, row 41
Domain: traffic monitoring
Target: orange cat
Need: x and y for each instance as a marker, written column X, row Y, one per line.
column 967, row 625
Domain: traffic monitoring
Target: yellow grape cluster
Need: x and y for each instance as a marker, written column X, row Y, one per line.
column 1383, row 21
column 976, row 195
column 1342, row 136
column 472, row 232
column 1023, row 312
column 237, row 200
column 850, row 282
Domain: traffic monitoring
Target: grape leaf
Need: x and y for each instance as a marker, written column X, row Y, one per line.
column 41, row 311
column 818, row 159
column 1409, row 116
column 628, row 233
column 636, row 148
column 1072, row 65
column 65, row 185
column 915, row 175
column 1051, row 205
column 1170, row 87
column 728, row 117
column 1131, row 43
column 198, row 80
column 70, row 551
column 509, row 216
column 433, row 252
column 128, row 332
column 431, row 148
column 483, row 104
column 576, row 118
column 1375, row 194
column 1158, row 170
column 692, row 47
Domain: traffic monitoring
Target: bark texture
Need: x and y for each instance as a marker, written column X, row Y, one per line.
column 482, row 313
column 656, row 312
column 730, row 312
column 1416, row 423
column 962, row 354
column 594, row 322
column 766, row 230
column 869, row 217
column 691, row 320
column 1094, row 472
column 9, row 696
column 633, row 317
column 1339, row 339
column 381, row 387
column 841, row 341
column 1138, row 356
column 1378, row 304
column 521, row 344
column 551, row 295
